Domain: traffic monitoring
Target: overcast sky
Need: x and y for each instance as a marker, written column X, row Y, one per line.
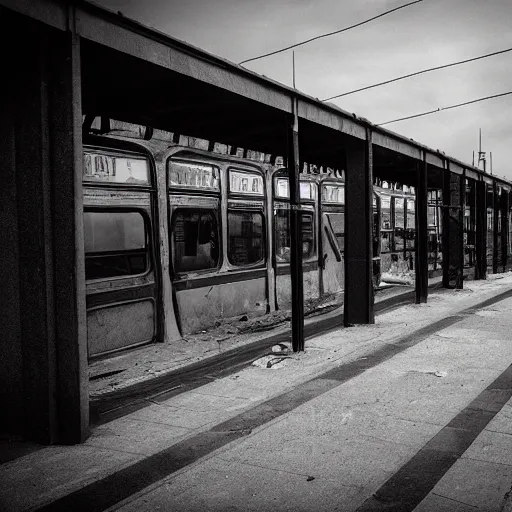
column 427, row 34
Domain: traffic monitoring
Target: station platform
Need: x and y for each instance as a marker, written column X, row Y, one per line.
column 411, row 413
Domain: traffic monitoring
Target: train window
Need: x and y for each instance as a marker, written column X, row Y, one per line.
column 192, row 175
column 490, row 219
column 399, row 212
column 337, row 221
column 116, row 244
column 386, row 235
column 245, row 237
column 333, row 194
column 308, row 234
column 411, row 224
column 194, row 240
column 386, row 213
column 411, row 214
column 307, row 190
column 107, row 168
column 282, row 223
column 242, row 182
column 385, row 241
column 399, row 237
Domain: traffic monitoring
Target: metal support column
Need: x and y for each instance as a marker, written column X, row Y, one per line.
column 421, row 252
column 358, row 307
column 295, row 232
column 496, row 247
column 445, row 235
column 481, row 230
column 505, row 200
column 459, row 248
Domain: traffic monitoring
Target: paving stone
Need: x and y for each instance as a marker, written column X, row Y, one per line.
column 55, row 471
column 180, row 417
column 136, row 436
column 477, row 483
column 492, row 447
column 227, row 486
column 435, row 503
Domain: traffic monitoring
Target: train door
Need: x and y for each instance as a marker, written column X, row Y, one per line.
column 282, row 245
column 120, row 250
column 332, row 232
column 217, row 240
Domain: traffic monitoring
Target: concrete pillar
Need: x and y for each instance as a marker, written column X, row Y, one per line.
column 481, row 230
column 45, row 144
column 358, row 233
column 421, row 252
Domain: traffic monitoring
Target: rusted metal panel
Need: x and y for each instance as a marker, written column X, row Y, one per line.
column 199, row 308
column 120, row 326
column 399, row 146
column 435, row 160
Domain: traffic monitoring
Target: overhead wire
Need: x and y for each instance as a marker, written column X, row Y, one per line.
column 445, row 108
column 329, row 33
column 403, row 77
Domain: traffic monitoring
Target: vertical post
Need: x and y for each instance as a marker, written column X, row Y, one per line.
column 489, row 235
column 51, row 281
column 495, row 213
column 295, row 231
column 421, row 249
column 481, row 230
column 36, row 293
column 358, row 307
column 445, row 236
column 459, row 249
column 505, row 198
column 69, row 259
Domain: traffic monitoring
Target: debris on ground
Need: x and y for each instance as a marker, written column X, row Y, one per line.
column 272, row 362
